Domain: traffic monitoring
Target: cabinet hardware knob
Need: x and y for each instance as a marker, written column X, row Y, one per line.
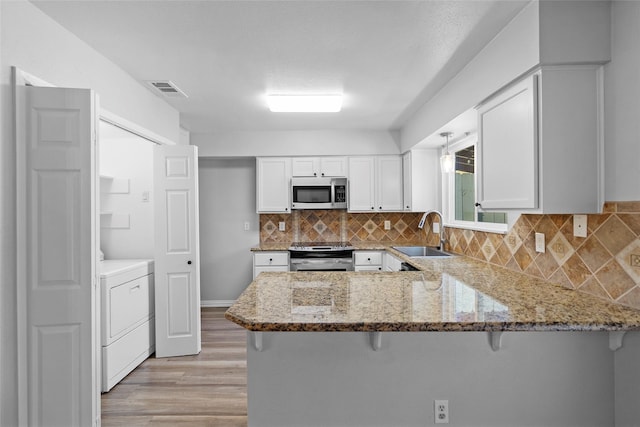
column 189, row 262
column 315, row 174
column 380, row 207
column 372, row 207
column 322, row 173
column 270, row 259
column 478, row 204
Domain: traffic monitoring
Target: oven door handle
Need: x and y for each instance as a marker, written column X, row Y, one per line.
column 321, row 261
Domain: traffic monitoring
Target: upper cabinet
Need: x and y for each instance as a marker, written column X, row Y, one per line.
column 539, row 143
column 319, row 166
column 421, row 180
column 273, row 177
column 375, row 183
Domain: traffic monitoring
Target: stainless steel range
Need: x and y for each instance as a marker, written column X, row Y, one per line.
column 321, row 256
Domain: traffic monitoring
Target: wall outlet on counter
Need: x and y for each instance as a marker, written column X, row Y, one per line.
column 441, row 411
column 282, row 226
column 247, row 226
column 387, row 225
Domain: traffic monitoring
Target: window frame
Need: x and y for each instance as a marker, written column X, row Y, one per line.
column 448, row 194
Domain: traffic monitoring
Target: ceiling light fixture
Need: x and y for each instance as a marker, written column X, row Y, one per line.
column 304, row 103
column 447, row 160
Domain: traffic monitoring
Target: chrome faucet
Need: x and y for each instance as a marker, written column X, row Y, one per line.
column 424, row 218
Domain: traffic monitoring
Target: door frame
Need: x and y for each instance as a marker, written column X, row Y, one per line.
column 19, row 78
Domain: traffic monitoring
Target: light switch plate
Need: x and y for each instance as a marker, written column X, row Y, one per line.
column 580, row 226
column 540, row 245
column 281, row 226
column 387, row 225
column 436, row 227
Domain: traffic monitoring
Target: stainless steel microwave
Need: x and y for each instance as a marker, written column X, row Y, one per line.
column 318, row 193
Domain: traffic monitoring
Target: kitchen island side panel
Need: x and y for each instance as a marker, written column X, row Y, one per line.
column 336, row 379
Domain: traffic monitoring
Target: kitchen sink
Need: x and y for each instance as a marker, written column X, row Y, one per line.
column 421, row 251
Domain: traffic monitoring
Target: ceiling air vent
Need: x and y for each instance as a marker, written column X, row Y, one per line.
column 166, row 88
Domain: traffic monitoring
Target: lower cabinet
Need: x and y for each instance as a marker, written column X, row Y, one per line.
column 368, row 260
column 270, row 261
column 127, row 317
column 392, row 263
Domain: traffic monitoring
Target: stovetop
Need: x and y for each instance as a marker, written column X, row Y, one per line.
column 320, row 246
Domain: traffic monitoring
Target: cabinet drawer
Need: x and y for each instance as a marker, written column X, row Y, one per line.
column 277, row 268
column 123, row 355
column 271, row 258
column 368, row 258
column 127, row 305
column 368, row 268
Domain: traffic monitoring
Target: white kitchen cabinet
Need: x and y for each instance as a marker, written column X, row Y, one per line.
column 391, row 262
column 273, row 177
column 375, row 184
column 539, row 145
column 319, row 166
column 421, row 180
column 127, row 322
column 368, row 260
column 270, row 261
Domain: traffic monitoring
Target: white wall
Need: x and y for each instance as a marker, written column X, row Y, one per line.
column 622, row 105
column 124, row 155
column 296, row 143
column 38, row 45
column 227, row 201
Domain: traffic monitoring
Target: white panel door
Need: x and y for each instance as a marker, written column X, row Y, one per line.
column 177, row 253
column 57, row 235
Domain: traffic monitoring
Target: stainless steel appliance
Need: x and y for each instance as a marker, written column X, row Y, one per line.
column 321, row 256
column 318, row 193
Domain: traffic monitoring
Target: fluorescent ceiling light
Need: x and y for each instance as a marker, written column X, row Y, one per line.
column 304, row 103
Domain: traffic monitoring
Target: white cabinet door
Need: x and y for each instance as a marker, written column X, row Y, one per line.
column 58, row 362
column 420, row 180
column 507, row 149
column 177, row 253
column 361, row 184
column 304, row 166
column 389, row 183
column 319, row 166
column 333, row 166
column 273, row 184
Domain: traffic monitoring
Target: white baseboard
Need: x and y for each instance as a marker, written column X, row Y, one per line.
column 217, row 303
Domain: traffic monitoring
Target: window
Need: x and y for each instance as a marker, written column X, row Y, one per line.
column 460, row 195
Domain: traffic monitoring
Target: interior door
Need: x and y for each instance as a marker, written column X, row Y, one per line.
column 57, row 235
column 177, row 253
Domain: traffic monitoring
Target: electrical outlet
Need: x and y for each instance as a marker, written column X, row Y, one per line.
column 580, row 226
column 436, row 227
column 146, row 196
column 441, row 411
column 540, row 242
column 247, row 226
column 387, row 225
column 282, row 226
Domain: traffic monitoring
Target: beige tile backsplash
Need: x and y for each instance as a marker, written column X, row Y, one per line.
column 606, row 263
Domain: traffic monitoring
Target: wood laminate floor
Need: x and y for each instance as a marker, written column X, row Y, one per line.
column 209, row 389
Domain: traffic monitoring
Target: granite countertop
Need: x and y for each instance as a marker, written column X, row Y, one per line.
column 449, row 294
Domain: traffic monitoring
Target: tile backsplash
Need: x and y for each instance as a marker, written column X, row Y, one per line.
column 606, row 263
column 338, row 225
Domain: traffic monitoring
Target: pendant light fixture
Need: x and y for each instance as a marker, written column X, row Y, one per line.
column 447, row 160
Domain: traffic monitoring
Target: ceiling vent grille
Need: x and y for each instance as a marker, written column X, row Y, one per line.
column 166, row 88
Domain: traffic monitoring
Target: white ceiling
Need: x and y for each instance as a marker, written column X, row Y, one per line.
column 388, row 57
